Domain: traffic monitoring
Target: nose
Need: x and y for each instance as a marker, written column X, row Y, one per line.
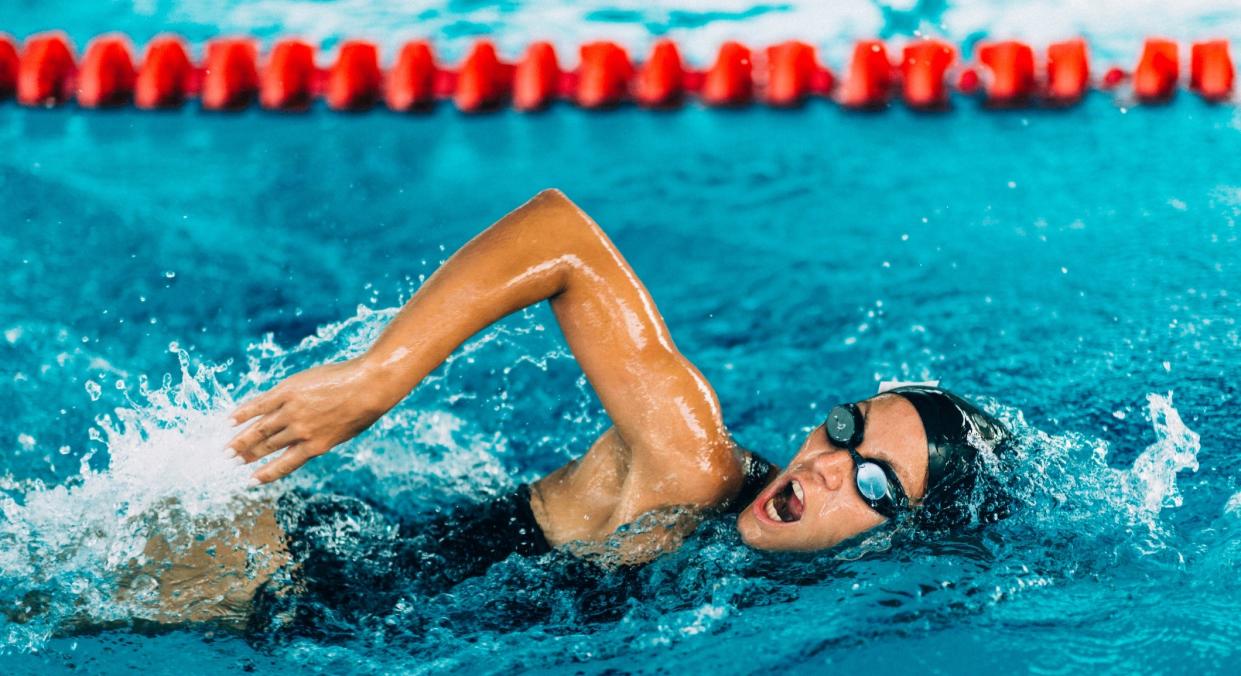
column 832, row 466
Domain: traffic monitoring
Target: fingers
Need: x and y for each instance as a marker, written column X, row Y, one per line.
column 249, row 444
column 276, row 442
column 288, row 461
column 261, row 405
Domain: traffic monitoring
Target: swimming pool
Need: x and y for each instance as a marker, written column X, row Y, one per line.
column 1075, row 268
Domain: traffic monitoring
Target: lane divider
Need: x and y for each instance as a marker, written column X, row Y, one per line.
column 232, row 75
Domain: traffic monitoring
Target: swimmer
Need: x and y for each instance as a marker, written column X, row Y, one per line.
column 910, row 452
column 913, row 453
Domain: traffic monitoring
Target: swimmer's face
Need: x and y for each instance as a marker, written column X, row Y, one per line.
column 831, row 509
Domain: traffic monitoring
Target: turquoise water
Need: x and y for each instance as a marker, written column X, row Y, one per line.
column 1076, row 270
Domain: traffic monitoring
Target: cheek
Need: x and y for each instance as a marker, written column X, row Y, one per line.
column 841, row 520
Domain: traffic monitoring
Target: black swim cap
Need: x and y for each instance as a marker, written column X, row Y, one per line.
column 960, row 490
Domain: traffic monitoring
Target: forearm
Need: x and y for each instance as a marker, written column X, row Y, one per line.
column 524, row 258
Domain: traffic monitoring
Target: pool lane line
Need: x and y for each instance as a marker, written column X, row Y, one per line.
column 231, row 75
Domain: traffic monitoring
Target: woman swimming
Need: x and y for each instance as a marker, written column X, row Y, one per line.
column 667, row 463
column 910, row 451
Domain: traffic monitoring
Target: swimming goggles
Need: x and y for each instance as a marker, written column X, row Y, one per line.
column 876, row 481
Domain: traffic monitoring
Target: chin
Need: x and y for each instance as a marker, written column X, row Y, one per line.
column 751, row 533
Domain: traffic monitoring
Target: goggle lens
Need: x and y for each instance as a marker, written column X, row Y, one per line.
column 872, row 482
column 844, row 425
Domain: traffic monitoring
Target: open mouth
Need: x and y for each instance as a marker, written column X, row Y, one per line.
column 787, row 504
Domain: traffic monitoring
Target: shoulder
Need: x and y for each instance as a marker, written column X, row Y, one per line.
column 706, row 477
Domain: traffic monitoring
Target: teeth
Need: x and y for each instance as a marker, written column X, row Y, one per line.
column 801, row 497
column 771, row 510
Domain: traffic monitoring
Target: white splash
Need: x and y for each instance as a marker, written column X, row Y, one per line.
column 1152, row 481
column 68, row 543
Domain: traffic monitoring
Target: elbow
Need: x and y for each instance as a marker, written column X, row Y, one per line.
column 553, row 197
column 564, row 215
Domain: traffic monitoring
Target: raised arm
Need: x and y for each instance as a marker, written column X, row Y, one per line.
column 660, row 405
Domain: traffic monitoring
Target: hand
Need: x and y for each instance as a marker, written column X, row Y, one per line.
column 307, row 415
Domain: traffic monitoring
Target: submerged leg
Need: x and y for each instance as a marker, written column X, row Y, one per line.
column 213, row 579
column 208, row 573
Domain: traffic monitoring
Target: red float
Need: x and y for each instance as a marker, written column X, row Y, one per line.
column 355, row 81
column 870, row 76
column 923, row 66
column 10, row 64
column 45, row 74
column 1068, row 72
column 1113, row 77
column 483, row 81
column 230, row 74
column 411, row 82
column 603, row 77
column 1211, row 70
column 106, row 76
column 661, row 82
column 536, row 80
column 1012, row 72
column 730, row 81
column 968, row 82
column 1157, row 72
column 791, row 70
column 288, row 78
column 164, row 77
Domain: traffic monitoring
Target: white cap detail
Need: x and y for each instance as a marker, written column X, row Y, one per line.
column 886, row 385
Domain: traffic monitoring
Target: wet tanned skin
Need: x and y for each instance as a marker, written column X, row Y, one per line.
column 668, row 448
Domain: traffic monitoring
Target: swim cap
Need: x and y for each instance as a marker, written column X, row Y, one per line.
column 959, row 489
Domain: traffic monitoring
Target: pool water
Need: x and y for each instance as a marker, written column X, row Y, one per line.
column 1076, row 270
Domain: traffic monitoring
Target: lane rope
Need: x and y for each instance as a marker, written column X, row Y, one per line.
column 233, row 75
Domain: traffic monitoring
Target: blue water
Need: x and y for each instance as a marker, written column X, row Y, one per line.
column 1076, row 270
